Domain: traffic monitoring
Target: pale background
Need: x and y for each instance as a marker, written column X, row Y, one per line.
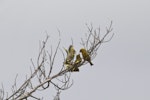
column 121, row 69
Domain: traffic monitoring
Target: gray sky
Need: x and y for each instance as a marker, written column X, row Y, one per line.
column 121, row 69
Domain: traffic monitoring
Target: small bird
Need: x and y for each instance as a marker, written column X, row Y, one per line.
column 70, row 54
column 86, row 56
column 76, row 63
column 78, row 60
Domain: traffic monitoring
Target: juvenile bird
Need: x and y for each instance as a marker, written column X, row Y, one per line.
column 76, row 63
column 86, row 56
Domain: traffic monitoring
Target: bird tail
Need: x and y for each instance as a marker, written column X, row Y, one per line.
column 91, row 63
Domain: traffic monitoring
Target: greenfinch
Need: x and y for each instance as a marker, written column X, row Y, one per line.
column 70, row 57
column 76, row 63
column 86, row 56
column 70, row 54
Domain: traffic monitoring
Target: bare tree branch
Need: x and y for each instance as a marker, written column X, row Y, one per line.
column 43, row 68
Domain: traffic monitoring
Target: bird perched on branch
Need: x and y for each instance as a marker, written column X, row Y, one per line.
column 76, row 63
column 70, row 56
column 86, row 56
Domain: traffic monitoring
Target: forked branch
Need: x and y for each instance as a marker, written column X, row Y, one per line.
column 42, row 70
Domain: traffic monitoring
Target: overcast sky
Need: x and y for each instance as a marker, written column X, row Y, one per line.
column 121, row 69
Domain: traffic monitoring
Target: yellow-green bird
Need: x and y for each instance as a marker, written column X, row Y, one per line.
column 70, row 56
column 76, row 63
column 86, row 56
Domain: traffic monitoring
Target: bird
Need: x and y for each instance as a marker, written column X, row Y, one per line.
column 70, row 54
column 86, row 55
column 76, row 63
